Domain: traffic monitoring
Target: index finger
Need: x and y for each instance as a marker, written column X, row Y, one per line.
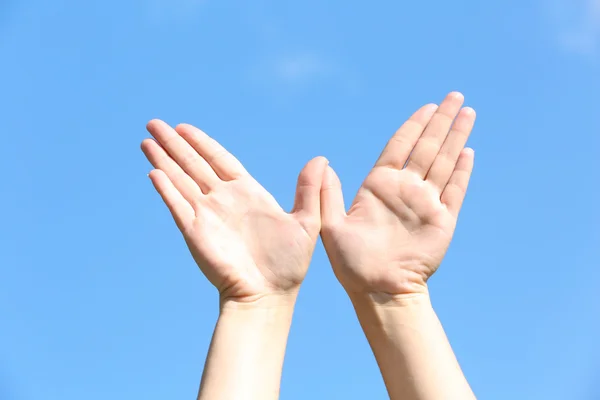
column 222, row 162
column 396, row 152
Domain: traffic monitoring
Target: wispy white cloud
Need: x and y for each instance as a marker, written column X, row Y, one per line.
column 286, row 64
column 579, row 25
column 299, row 68
column 290, row 72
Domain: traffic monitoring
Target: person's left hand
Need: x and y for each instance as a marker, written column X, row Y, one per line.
column 243, row 241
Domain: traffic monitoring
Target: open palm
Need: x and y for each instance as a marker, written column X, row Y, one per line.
column 402, row 220
column 242, row 240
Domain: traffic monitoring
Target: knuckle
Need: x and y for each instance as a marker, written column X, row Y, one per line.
column 217, row 154
column 413, row 125
column 189, row 158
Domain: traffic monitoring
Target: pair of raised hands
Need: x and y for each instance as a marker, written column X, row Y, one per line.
column 384, row 248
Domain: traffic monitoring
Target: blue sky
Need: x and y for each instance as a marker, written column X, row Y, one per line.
column 98, row 295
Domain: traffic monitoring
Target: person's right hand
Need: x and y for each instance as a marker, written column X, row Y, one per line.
column 402, row 220
column 248, row 247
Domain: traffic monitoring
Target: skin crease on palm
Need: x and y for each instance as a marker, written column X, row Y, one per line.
column 402, row 220
column 390, row 242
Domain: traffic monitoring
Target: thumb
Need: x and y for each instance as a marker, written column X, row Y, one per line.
column 307, row 203
column 332, row 198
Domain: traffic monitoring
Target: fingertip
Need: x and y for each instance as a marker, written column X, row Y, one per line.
column 469, row 111
column 314, row 170
column 331, row 178
column 148, row 142
column 469, row 152
column 430, row 109
column 456, row 95
column 153, row 123
column 154, row 174
column 324, row 164
column 321, row 160
column 183, row 127
column 190, row 132
column 159, row 179
column 327, row 175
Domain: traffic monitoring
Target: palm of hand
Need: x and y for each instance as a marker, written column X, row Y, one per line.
column 246, row 244
column 401, row 222
column 399, row 226
column 241, row 239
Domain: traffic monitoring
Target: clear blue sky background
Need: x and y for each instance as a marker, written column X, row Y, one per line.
column 98, row 296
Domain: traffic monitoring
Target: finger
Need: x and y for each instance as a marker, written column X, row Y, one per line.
column 434, row 135
column 159, row 159
column 456, row 189
column 333, row 210
column 455, row 142
column 398, row 149
column 222, row 162
column 307, row 205
column 184, row 155
column 181, row 210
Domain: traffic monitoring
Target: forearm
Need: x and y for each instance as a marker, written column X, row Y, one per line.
column 247, row 350
column 411, row 348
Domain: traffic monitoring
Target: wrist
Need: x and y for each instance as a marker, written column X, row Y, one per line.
column 380, row 300
column 279, row 302
column 379, row 310
column 386, row 283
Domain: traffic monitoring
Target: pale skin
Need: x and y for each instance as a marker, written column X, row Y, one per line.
column 383, row 250
column 248, row 247
column 394, row 237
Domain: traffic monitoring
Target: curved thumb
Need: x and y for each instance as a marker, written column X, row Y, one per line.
column 307, row 203
column 332, row 198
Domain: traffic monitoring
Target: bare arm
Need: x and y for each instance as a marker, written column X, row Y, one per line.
column 247, row 351
column 253, row 252
column 411, row 348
